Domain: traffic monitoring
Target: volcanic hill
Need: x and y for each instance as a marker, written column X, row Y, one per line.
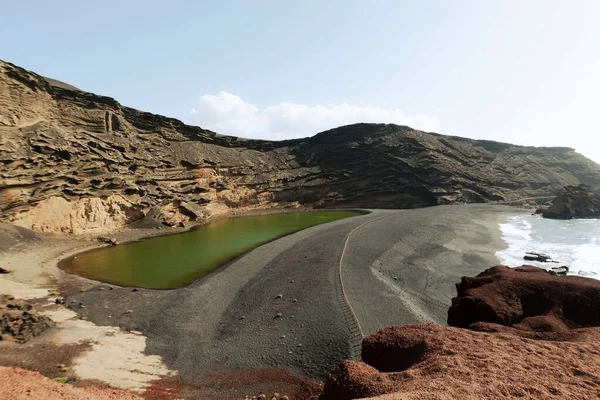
column 75, row 162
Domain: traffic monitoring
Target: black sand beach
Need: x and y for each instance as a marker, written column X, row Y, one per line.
column 281, row 306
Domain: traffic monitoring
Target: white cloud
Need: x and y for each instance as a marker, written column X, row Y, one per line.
column 228, row 114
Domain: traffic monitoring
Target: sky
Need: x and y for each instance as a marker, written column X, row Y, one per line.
column 524, row 72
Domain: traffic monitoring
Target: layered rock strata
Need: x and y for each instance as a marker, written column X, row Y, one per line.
column 105, row 165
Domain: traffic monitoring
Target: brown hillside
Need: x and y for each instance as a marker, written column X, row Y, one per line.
column 73, row 161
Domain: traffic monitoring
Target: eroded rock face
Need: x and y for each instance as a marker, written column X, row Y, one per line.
column 519, row 333
column 57, row 142
column 57, row 215
column 577, row 201
column 19, row 322
column 526, row 298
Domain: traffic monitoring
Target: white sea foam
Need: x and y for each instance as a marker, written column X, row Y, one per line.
column 574, row 243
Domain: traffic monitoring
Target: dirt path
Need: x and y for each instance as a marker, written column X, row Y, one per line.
column 356, row 331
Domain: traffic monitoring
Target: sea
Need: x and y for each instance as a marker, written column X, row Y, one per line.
column 573, row 243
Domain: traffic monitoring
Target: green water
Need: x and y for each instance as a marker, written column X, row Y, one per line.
column 173, row 261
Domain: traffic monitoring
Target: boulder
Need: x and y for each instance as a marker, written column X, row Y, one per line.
column 112, row 241
column 522, row 297
column 562, row 271
column 537, row 257
column 578, row 201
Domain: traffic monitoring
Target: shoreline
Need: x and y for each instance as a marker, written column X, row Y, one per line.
column 147, row 235
column 568, row 243
column 244, row 287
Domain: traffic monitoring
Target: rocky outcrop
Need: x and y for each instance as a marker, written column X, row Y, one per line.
column 59, row 142
column 57, row 215
column 19, row 322
column 516, row 333
column 578, row 201
column 533, row 256
column 463, row 364
column 525, row 298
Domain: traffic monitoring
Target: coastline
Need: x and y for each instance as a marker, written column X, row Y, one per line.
column 313, row 327
column 573, row 244
column 137, row 235
column 403, row 269
column 34, row 275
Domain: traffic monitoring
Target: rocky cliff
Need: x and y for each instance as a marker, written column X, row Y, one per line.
column 75, row 162
column 577, row 201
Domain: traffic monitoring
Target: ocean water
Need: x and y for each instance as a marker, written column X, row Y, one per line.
column 574, row 243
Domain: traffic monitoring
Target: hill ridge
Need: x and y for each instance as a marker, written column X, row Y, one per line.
column 93, row 159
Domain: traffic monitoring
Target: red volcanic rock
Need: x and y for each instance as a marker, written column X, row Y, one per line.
column 354, row 379
column 397, row 348
column 536, row 337
column 525, row 298
column 464, row 364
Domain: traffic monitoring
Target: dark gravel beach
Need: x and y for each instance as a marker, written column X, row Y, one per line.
column 280, row 304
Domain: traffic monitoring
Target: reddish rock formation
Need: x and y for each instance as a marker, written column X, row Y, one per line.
column 541, row 341
column 526, row 298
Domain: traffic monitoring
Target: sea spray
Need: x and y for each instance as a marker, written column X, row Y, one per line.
column 574, row 243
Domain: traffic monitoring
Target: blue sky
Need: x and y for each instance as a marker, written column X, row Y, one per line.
column 524, row 72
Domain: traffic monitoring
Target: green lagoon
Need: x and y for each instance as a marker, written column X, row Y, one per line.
column 174, row 261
